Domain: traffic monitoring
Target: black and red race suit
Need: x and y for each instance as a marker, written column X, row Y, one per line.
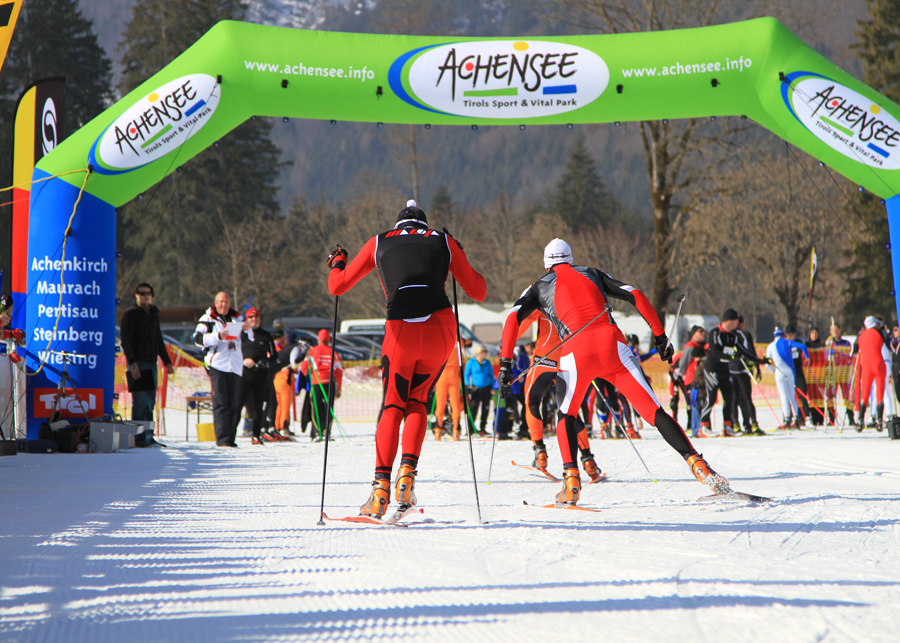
column 570, row 297
column 413, row 264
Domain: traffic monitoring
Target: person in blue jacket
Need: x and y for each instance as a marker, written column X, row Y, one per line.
column 780, row 356
column 521, row 362
column 479, row 380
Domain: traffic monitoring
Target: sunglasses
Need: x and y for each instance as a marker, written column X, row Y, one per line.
column 145, row 292
column 252, row 316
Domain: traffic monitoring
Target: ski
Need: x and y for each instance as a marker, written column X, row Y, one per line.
column 391, row 521
column 553, row 506
column 537, row 470
column 603, row 478
column 734, row 495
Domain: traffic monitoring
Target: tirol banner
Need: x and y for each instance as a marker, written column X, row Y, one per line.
column 757, row 69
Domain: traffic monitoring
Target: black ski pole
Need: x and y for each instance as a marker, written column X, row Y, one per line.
column 465, row 398
column 331, row 413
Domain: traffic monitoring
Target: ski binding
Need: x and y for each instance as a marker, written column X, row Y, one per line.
column 554, row 506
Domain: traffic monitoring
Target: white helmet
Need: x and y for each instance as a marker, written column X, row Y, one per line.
column 557, row 251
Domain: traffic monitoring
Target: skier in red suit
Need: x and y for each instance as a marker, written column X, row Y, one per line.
column 571, row 296
column 871, row 368
column 413, row 263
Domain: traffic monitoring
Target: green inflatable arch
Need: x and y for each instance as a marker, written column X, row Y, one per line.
column 757, row 69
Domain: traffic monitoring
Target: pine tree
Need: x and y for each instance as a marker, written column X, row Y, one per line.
column 580, row 197
column 51, row 38
column 878, row 47
column 167, row 238
column 441, row 202
column 869, row 273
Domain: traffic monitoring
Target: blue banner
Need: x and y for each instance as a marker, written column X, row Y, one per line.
column 70, row 305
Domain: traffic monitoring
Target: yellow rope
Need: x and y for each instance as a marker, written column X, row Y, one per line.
column 46, row 178
column 62, row 270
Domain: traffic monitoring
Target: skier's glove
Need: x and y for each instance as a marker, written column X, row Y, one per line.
column 505, row 377
column 338, row 259
column 664, row 348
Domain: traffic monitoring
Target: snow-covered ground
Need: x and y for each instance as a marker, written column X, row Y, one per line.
column 194, row 543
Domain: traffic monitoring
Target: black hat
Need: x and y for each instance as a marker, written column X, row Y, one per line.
column 694, row 329
column 729, row 314
column 277, row 333
column 411, row 216
column 633, row 340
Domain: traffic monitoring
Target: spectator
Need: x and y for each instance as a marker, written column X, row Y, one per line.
column 479, row 379
column 225, row 364
column 837, row 377
column 4, row 320
column 281, row 340
column 142, row 344
column 691, row 356
column 448, row 387
column 816, row 368
column 781, row 362
column 258, row 349
column 319, row 380
column 814, row 340
column 743, row 384
column 800, row 374
column 871, row 369
column 724, row 345
column 895, row 361
column 284, row 386
column 521, row 361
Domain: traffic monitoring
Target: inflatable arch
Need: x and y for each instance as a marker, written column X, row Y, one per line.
column 757, row 69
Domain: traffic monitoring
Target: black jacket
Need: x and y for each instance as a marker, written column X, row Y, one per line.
column 141, row 337
column 261, row 349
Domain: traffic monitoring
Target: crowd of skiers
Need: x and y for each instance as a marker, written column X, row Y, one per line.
column 724, row 359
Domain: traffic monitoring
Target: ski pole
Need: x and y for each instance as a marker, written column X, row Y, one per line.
column 328, row 419
column 619, row 424
column 494, row 441
column 465, row 397
column 607, row 309
column 675, row 319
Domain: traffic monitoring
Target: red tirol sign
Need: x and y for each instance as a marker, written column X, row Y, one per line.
column 88, row 401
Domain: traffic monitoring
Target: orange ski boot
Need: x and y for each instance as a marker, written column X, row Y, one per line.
column 540, row 458
column 591, row 469
column 378, row 501
column 704, row 473
column 571, row 489
column 634, row 435
column 405, row 489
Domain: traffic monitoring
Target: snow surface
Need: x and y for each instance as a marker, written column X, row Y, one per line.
column 196, row 543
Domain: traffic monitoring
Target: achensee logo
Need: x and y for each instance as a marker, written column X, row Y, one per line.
column 844, row 119
column 501, row 79
column 158, row 123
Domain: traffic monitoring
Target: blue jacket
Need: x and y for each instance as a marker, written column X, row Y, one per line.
column 479, row 375
column 521, row 362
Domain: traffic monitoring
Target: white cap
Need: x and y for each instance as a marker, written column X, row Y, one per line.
column 872, row 321
column 557, row 251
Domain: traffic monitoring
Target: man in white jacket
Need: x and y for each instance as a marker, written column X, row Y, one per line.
column 781, row 361
column 225, row 363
